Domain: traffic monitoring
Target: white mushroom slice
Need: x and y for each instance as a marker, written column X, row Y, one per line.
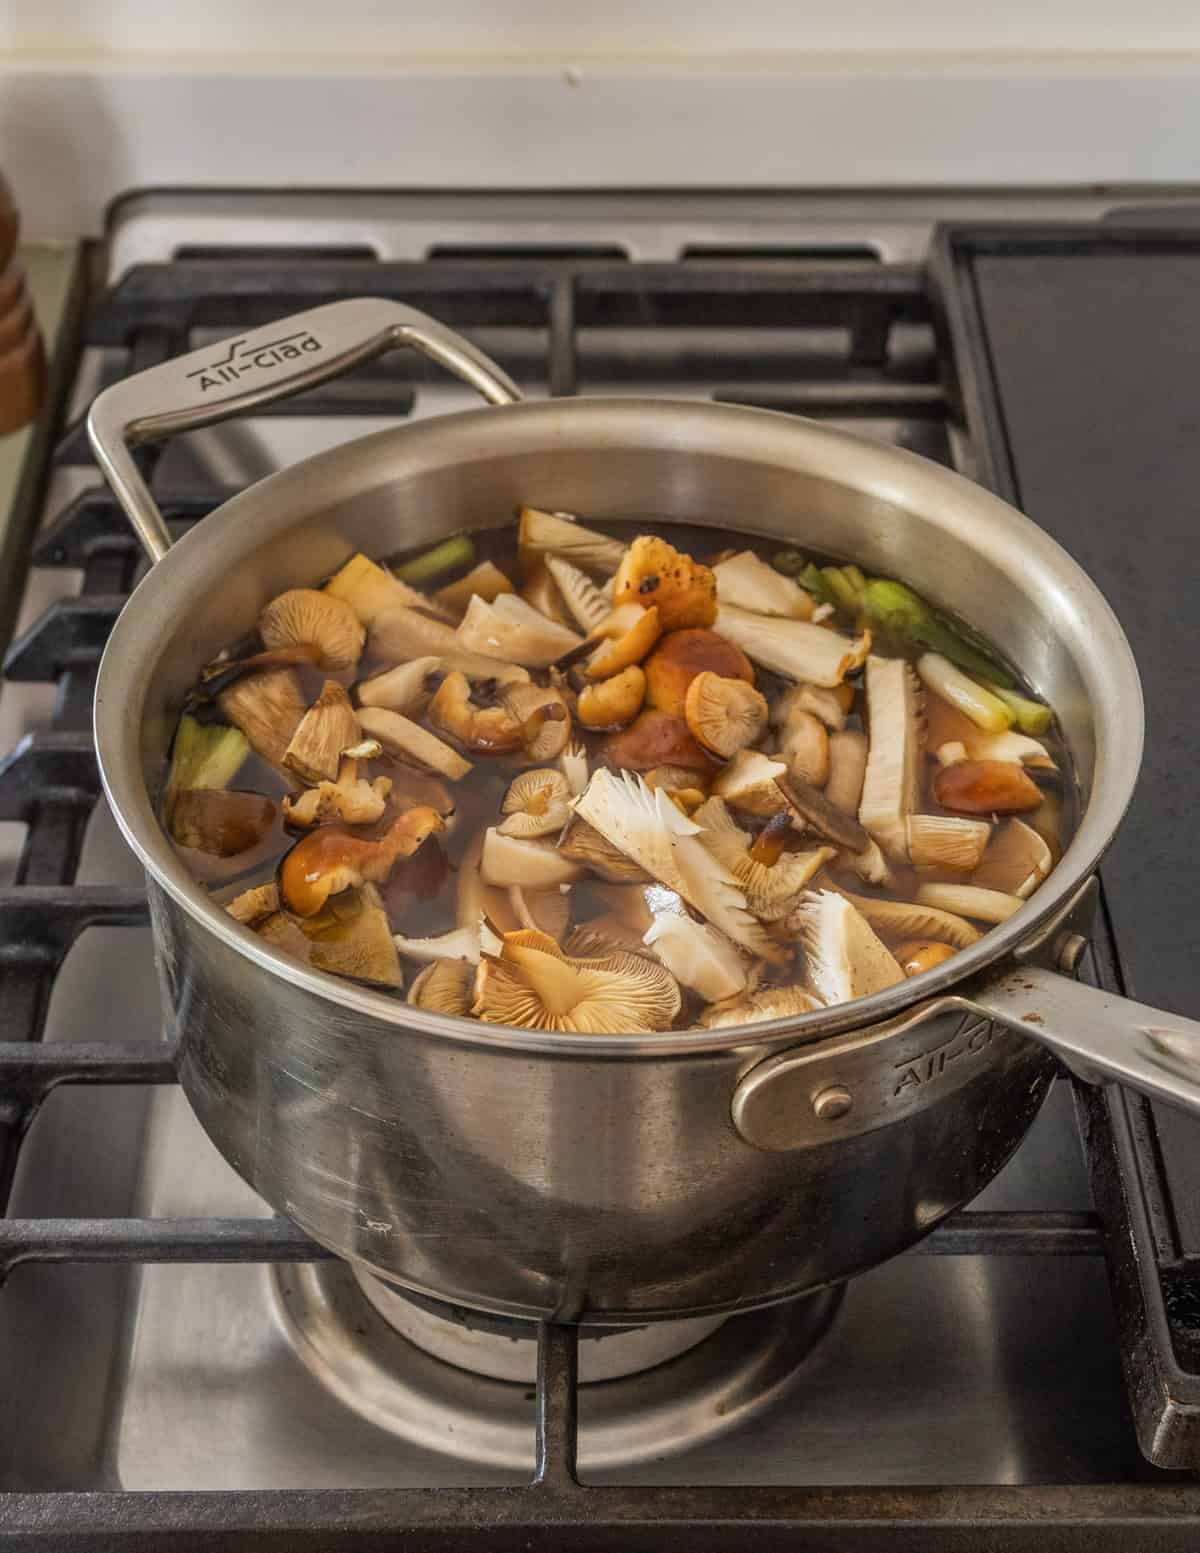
column 1009, row 745
column 461, row 944
column 556, row 533
column 584, row 844
column 843, row 957
column 748, row 784
column 896, row 921
column 648, row 828
column 514, row 632
column 407, row 739
column 547, row 911
column 749, row 583
column 534, row 985
column 946, row 841
column 485, row 581
column 770, row 1003
column 892, row 783
column 771, row 892
column 1016, row 861
column 443, row 987
column 697, row 956
column 847, row 769
column 804, row 744
column 588, row 606
column 400, row 634
column 573, row 763
column 794, row 648
column 509, row 860
column 870, row 865
column 538, row 803
column 475, row 900
column 371, row 591
column 404, row 689
column 969, row 900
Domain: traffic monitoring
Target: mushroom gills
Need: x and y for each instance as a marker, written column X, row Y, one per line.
column 534, row 985
column 843, row 957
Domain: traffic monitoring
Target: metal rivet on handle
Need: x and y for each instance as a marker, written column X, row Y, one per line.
column 833, row 1103
column 1070, row 952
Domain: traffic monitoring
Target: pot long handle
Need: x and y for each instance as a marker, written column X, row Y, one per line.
column 256, row 368
column 1098, row 1035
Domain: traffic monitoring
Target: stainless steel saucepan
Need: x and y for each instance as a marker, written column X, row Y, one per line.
column 616, row 1180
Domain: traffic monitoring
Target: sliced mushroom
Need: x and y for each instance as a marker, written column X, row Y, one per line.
column 306, row 617
column 490, row 730
column 512, row 631
column 444, row 987
column 771, row 891
column 1009, row 746
column 870, row 865
column 697, row 956
column 407, row 740
column 509, row 860
column 546, row 911
column 892, row 784
column 461, row 944
column 724, row 715
column 573, row 763
column 749, row 583
column 371, row 591
column 604, row 935
column 916, row 955
column 829, row 705
column 285, row 934
column 680, row 656
column 612, row 703
column 986, row 787
column 653, row 572
column 532, row 984
column 797, row 649
column 813, row 811
column 542, row 593
column 326, row 729
column 804, row 744
column 945, row 841
column 625, row 637
column 475, row 901
column 485, row 581
column 544, row 718
column 556, row 533
column 847, row 769
column 538, row 803
column 843, row 957
column 655, row 738
column 267, row 708
column 332, row 858
column 899, row 920
column 969, row 900
column 400, row 634
column 770, row 1003
column 587, row 605
column 584, row 844
column 1016, row 861
column 749, row 784
column 354, row 939
column 405, row 689
column 351, row 799
column 253, row 905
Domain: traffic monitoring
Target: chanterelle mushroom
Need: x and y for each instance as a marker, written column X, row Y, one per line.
column 771, row 892
column 797, row 649
column 332, row 858
column 653, row 572
column 892, row 784
column 843, row 957
column 326, row 729
column 538, row 803
column 306, row 617
column 532, row 984
column 625, row 636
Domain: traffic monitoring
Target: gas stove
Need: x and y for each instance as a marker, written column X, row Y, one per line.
column 175, row 1360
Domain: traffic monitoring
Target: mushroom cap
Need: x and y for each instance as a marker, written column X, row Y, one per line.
column 267, row 708
column 724, row 715
column 491, row 730
column 537, row 803
column 444, row 987
column 843, row 957
column 797, row 649
column 306, row 617
column 625, row 636
column 513, row 631
column 655, row 738
column 532, row 984
column 697, row 956
column 330, row 859
column 986, row 787
column 680, row 656
column 613, row 702
column 329, row 726
column 771, row 892
column 1016, row 861
column 769, row 1003
column 220, row 821
column 970, row 900
column 351, row 937
column 654, row 572
column 750, row 583
column 544, row 718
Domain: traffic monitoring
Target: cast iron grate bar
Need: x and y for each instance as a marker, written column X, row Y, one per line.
column 71, row 634
column 93, row 524
column 48, row 767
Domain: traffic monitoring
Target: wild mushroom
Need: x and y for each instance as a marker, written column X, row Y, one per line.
column 371, row 591
column 545, row 911
column 556, row 533
column 460, row 944
column 537, row 803
column 804, row 744
column 653, row 572
column 749, row 583
column 485, row 581
column 543, row 716
column 511, row 630
column 573, row 763
column 532, row 984
column 408, row 740
column 829, row 704
column 352, row 799
column 306, row 617
column 267, row 708
column 697, row 956
column 984, row 709
column 584, row 844
column 587, row 605
column 413, row 789
column 477, row 902
column 444, row 987
column 870, row 865
column 253, row 905
column 400, row 634
column 771, row 891
column 813, row 811
column 724, row 715
column 328, row 727
column 405, row 689
column 680, row 656
column 219, row 821
column 770, row 1003
column 542, row 593
column 651, row 831
column 490, row 730
column 843, row 957
column 509, row 860
column 900, row 920
column 655, row 738
column 847, row 769
column 892, row 783
column 352, row 938
column 945, row 841
column 748, row 784
column 986, row 787
column 1016, row 861
column 604, row 935
column 332, row 858
column 625, row 637
column 916, row 955
column 969, row 900
column 797, row 649
column 612, row 703
column 1009, row 746
column 203, row 755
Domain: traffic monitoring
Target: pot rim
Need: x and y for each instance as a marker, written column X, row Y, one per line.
column 902, row 479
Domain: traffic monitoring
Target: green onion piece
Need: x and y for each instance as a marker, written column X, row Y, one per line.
column 459, row 551
column 812, row 579
column 204, row 755
column 897, row 609
column 855, row 578
column 1032, row 717
column 845, row 594
column 789, row 562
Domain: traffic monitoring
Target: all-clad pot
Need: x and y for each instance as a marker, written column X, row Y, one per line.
column 615, row 1180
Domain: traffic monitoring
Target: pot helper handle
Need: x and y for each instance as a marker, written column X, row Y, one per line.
column 258, row 367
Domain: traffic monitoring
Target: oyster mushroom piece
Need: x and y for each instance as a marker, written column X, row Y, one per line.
column 329, row 726
column 804, row 744
column 612, row 703
column 461, row 944
column 587, row 605
column 511, row 630
column 847, row 769
column 267, row 708
column 970, row 900
column 986, row 787
column 219, row 821
column 843, row 957
column 680, row 656
column 253, row 905
column 304, row 617
column 351, row 799
column 771, row 891
column 400, row 634
column 1016, row 861
column 543, row 534
column 444, row 987
column 892, row 782
column 653, row 572
column 485, row 581
column 945, row 841
column 399, row 736
column 509, row 860
column 490, row 730
column 573, row 763
column 697, row 956
column 533, row 984
column 544, row 718
column 900, row 920
column 724, row 715
column 332, row 858
column 352, row 938
column 625, row 636
column 584, row 844
column 749, row 583
column 372, row 591
column 770, row 1003
column 405, row 689
column 538, row 803
column 797, row 649
column 748, row 784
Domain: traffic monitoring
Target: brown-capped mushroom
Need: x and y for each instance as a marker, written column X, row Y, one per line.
column 332, row 858
column 847, row 769
column 329, row 726
column 484, row 730
column 542, row 534
column 267, row 708
column 769, row 1003
column 1016, row 861
column 680, row 656
column 535, row 865
column 219, row 821
column 655, row 738
column 916, row 955
column 946, row 841
column 771, row 890
column 512, row 631
column 485, row 581
column 625, row 637
column 843, row 957
column 351, row 937
column 892, row 784
column 401, row 634
column 532, row 984
column 724, row 715
column 544, row 718
column 585, row 602
column 653, row 572
column 405, row 689
column 612, row 703
column 749, row 583
column 969, row 900
column 444, row 987
column 409, row 741
column 749, row 784
column 537, row 803
column 986, row 787
column 304, row 617
column 372, row 591
column 797, row 649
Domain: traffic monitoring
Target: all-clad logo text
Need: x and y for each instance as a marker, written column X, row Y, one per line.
column 240, row 358
column 968, row 1041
